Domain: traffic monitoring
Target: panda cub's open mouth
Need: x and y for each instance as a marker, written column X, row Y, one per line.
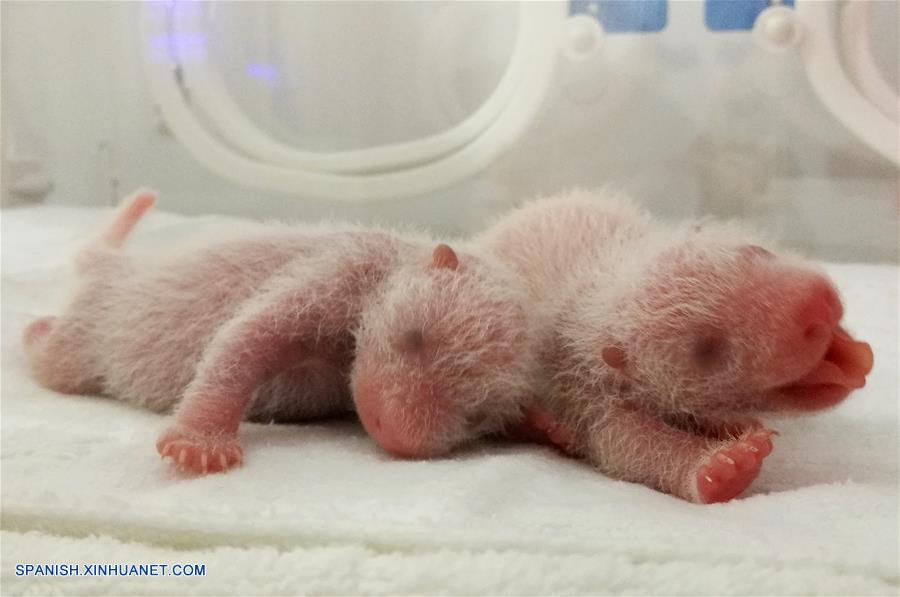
column 842, row 369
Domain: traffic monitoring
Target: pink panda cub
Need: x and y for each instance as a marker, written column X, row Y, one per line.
column 663, row 345
column 263, row 324
column 444, row 359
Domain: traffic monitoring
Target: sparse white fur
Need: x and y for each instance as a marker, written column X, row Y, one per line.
column 475, row 366
column 276, row 310
column 703, row 327
column 602, row 273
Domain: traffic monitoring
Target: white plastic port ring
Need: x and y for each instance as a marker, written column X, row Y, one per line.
column 777, row 29
column 583, row 38
column 229, row 143
column 866, row 116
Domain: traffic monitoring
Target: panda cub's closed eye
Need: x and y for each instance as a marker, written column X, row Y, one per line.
column 411, row 341
column 710, row 350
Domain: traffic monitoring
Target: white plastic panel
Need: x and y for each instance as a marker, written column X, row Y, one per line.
column 689, row 118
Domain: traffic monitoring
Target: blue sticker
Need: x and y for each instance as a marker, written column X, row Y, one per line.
column 733, row 15
column 624, row 16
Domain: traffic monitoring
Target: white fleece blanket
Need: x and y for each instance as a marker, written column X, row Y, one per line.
column 319, row 509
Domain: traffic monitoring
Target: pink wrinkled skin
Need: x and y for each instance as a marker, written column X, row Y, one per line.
column 275, row 322
column 650, row 350
column 662, row 345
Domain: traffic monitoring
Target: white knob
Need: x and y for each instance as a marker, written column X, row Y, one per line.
column 777, row 29
column 583, row 38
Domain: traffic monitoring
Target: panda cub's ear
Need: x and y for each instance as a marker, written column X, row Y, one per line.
column 754, row 251
column 614, row 356
column 444, row 257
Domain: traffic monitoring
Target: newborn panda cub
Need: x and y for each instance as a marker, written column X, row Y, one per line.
column 663, row 345
column 264, row 323
column 444, row 358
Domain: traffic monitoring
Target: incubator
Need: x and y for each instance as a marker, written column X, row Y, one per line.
column 443, row 114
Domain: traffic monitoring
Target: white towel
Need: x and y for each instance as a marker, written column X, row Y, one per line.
column 320, row 509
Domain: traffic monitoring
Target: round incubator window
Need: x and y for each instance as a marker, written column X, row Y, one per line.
column 351, row 75
column 353, row 101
